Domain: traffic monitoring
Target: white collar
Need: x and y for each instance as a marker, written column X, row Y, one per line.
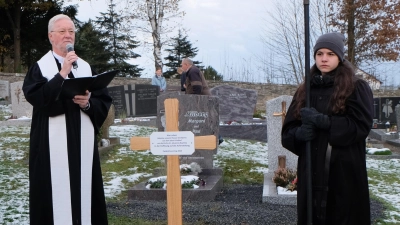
column 58, row 57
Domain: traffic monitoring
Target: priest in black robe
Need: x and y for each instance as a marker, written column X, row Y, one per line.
column 65, row 180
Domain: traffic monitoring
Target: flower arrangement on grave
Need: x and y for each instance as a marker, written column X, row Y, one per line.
column 190, row 168
column 193, row 183
column 188, row 181
column 287, row 178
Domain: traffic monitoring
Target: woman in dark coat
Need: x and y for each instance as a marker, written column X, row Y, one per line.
column 337, row 124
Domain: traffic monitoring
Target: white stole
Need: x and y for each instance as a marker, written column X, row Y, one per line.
column 60, row 182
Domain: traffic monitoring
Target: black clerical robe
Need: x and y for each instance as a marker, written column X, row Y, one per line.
column 66, row 185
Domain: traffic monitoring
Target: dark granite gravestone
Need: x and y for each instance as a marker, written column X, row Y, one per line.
column 146, row 99
column 119, row 102
column 376, row 109
column 134, row 100
column 236, row 104
column 384, row 110
column 173, row 88
column 197, row 113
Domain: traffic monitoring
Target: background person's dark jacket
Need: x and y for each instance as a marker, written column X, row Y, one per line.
column 195, row 82
column 183, row 80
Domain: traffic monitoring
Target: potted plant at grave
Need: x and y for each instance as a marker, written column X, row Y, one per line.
column 285, row 178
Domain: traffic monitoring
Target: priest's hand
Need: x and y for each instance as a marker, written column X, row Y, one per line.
column 82, row 100
column 67, row 64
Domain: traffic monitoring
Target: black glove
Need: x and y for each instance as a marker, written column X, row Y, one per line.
column 305, row 133
column 312, row 117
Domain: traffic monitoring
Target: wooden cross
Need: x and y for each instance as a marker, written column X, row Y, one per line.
column 283, row 113
column 174, row 187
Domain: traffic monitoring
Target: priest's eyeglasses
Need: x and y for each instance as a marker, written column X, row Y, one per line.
column 63, row 32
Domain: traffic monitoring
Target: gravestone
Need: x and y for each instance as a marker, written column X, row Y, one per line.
column 376, row 110
column 397, row 110
column 20, row 106
column 4, row 90
column 393, row 138
column 384, row 110
column 117, row 94
column 275, row 149
column 172, row 88
column 236, row 104
column 134, row 100
column 198, row 114
column 107, row 143
column 108, row 122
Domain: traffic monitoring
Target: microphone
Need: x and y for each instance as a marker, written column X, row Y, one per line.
column 70, row 47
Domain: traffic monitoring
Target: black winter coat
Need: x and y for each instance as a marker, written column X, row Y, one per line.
column 348, row 196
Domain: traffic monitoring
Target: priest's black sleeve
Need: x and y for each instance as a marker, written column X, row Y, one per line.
column 42, row 93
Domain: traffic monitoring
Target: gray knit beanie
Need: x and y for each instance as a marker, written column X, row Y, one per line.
column 333, row 41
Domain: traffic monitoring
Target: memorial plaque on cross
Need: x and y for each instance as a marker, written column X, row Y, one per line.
column 174, row 188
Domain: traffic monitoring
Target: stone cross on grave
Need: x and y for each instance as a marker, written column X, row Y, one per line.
column 283, row 113
column 129, row 94
column 174, row 187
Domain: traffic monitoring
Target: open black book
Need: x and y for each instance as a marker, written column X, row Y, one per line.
column 79, row 85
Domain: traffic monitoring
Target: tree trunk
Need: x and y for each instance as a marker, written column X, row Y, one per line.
column 16, row 25
column 155, row 12
column 351, row 42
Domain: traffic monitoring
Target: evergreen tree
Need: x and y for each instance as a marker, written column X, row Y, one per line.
column 120, row 42
column 90, row 46
column 211, row 74
column 181, row 48
column 36, row 21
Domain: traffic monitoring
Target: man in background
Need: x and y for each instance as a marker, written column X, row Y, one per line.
column 195, row 81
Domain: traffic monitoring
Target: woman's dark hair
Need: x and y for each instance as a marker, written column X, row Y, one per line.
column 343, row 87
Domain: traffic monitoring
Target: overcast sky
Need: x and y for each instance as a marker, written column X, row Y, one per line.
column 224, row 31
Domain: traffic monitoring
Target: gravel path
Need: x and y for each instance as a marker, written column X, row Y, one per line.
column 235, row 205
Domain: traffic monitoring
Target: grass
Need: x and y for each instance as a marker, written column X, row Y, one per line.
column 383, row 176
column 240, row 160
column 122, row 220
column 121, row 162
column 4, row 115
column 238, row 171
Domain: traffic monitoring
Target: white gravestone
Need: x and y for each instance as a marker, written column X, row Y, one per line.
column 20, row 106
column 275, row 149
column 4, row 90
column 274, row 128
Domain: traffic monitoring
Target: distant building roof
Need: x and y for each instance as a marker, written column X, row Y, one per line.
column 366, row 76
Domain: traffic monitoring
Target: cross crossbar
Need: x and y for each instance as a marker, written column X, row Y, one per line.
column 174, row 187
